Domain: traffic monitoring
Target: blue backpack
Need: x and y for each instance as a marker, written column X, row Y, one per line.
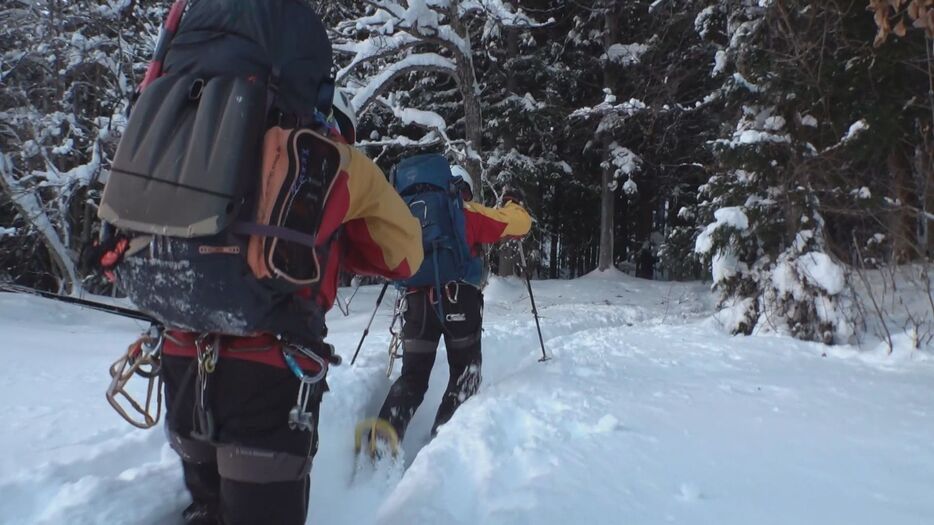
column 427, row 186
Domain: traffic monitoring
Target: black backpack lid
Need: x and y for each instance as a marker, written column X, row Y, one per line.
column 252, row 37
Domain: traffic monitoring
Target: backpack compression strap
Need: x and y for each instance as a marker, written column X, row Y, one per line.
column 266, row 230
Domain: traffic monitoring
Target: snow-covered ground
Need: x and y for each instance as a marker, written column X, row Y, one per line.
column 647, row 414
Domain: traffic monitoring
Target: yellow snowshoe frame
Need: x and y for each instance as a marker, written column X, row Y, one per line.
column 377, row 431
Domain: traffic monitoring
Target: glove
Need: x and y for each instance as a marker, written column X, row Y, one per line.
column 511, row 194
column 104, row 256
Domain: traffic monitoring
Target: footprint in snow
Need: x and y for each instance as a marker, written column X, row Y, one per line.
column 689, row 492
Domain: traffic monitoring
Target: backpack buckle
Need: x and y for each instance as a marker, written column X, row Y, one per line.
column 196, row 89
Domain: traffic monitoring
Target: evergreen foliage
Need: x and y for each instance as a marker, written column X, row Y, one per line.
column 771, row 146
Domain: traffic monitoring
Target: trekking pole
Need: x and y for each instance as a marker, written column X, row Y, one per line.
column 84, row 303
column 367, row 329
column 528, row 284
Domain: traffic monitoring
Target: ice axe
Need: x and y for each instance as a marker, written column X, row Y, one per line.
column 528, row 284
column 366, row 331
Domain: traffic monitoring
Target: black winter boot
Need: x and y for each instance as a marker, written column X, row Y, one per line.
column 201, row 514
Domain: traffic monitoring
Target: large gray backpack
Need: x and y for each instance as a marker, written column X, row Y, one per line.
column 220, row 178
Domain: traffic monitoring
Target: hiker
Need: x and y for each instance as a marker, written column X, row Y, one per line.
column 237, row 251
column 255, row 468
column 452, row 308
column 645, row 262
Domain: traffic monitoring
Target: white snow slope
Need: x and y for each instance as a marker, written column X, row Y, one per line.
column 647, row 414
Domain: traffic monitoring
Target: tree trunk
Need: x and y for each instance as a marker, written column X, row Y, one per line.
column 553, row 257
column 924, row 186
column 606, row 216
column 507, row 258
column 473, row 119
column 611, row 28
column 556, row 230
column 901, row 226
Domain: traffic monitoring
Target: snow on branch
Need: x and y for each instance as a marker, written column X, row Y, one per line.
column 431, row 62
column 430, row 139
column 373, row 48
column 527, row 103
column 855, row 130
column 30, row 208
column 608, row 106
column 419, row 117
column 625, row 54
column 624, row 160
column 495, row 11
column 730, row 217
column 429, row 120
column 417, row 17
column 514, row 158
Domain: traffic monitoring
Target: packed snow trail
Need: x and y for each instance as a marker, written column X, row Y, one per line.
column 647, row 414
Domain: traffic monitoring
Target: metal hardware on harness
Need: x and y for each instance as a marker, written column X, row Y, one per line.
column 455, row 318
column 457, row 291
column 300, row 418
column 142, row 359
column 207, row 354
column 153, row 340
column 395, row 344
column 293, row 365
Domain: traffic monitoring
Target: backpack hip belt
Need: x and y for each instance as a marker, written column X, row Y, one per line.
column 264, row 349
column 452, row 297
column 308, row 365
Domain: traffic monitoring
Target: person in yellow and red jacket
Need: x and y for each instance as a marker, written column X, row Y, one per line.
column 254, row 465
column 461, row 327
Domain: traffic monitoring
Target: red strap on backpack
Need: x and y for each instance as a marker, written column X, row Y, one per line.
column 169, row 28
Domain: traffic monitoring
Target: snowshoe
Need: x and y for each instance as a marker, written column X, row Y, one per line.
column 378, row 437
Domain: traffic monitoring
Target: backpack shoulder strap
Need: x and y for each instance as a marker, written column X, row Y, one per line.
column 459, row 221
column 268, row 230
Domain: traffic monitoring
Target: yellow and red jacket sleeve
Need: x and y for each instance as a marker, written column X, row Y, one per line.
column 381, row 235
column 487, row 225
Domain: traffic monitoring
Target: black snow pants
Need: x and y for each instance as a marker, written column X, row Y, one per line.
column 256, row 470
column 421, row 331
